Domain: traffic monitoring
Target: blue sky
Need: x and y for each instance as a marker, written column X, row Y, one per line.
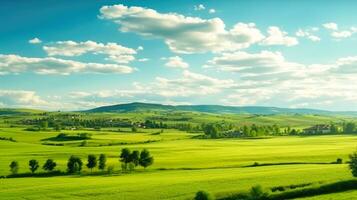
column 72, row 55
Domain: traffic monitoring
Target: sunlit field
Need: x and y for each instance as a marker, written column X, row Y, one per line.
column 183, row 165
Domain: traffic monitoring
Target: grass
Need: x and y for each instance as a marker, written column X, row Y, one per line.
column 191, row 165
column 183, row 165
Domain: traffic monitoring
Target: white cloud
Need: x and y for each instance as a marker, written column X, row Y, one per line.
column 330, row 26
column 176, row 62
column 211, row 11
column 199, row 7
column 143, row 59
column 341, row 34
column 35, row 41
column 183, row 34
column 20, row 98
column 50, row 65
column 114, row 51
column 191, row 84
column 308, row 34
column 161, row 90
column 278, row 37
column 347, row 65
column 247, row 64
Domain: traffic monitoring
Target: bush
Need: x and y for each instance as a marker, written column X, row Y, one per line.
column 203, row 195
column 110, row 169
column 257, row 193
column 339, row 161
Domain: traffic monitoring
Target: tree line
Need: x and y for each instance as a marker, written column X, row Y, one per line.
column 223, row 130
column 129, row 160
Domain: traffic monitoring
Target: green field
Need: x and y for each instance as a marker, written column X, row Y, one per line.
column 183, row 164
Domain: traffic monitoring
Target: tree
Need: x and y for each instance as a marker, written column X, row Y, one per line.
column 44, row 124
column 211, row 130
column 74, row 164
column 134, row 157
column 33, row 165
column 349, row 127
column 92, row 162
column 125, row 158
column 102, row 161
column 145, row 159
column 202, row 195
column 353, row 163
column 334, row 129
column 14, row 167
column 49, row 165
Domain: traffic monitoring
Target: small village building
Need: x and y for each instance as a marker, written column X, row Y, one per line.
column 318, row 129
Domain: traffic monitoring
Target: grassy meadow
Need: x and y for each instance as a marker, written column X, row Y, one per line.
column 183, row 164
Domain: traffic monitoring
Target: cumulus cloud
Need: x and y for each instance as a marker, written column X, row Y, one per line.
column 143, row 59
column 49, row 65
column 347, row 65
column 330, row 26
column 189, row 84
column 176, row 62
column 199, row 7
column 341, row 34
column 279, row 37
column 183, row 34
column 335, row 32
column 211, row 11
column 21, row 98
column 114, row 51
column 253, row 64
column 308, row 34
column 35, row 41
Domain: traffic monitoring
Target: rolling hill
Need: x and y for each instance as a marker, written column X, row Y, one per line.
column 218, row 109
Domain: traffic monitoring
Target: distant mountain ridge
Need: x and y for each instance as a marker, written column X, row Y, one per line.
column 218, row 109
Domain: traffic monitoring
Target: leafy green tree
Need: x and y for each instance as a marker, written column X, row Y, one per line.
column 57, row 127
column 203, row 195
column 353, row 163
column 349, row 127
column 134, row 129
column 211, row 130
column 125, row 158
column 44, row 125
column 333, row 129
column 74, row 164
column 33, row 165
column 49, row 165
column 14, row 167
column 134, row 157
column 102, row 161
column 145, row 159
column 92, row 162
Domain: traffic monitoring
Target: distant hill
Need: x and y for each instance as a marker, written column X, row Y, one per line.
column 135, row 107
column 19, row 111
